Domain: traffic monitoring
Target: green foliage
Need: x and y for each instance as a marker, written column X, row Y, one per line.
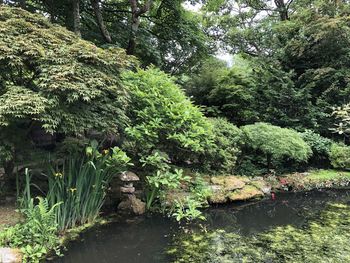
column 162, row 118
column 51, row 76
column 319, row 145
column 161, row 182
column 80, row 183
column 52, row 79
column 225, row 92
column 225, row 149
column 37, row 235
column 323, row 239
column 187, row 210
column 340, row 156
column 276, row 143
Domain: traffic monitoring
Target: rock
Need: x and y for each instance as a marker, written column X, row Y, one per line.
column 124, row 205
column 229, row 182
column 175, row 195
column 10, row 255
column 138, row 207
column 132, row 205
column 247, row 192
column 127, row 190
column 129, row 177
column 218, row 195
column 218, row 198
column 262, row 185
column 233, row 183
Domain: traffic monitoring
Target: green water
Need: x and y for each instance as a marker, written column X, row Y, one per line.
column 324, row 237
column 295, row 227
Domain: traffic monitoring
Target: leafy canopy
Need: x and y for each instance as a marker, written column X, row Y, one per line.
column 162, row 117
column 276, row 142
column 50, row 76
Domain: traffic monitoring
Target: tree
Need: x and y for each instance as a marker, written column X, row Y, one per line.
column 51, row 78
column 99, row 19
column 276, row 143
column 136, row 12
column 158, row 32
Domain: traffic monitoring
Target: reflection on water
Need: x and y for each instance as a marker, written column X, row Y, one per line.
column 145, row 239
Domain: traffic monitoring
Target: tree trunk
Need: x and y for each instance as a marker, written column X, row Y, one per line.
column 136, row 12
column 99, row 19
column 282, row 9
column 268, row 160
column 133, row 35
column 76, row 17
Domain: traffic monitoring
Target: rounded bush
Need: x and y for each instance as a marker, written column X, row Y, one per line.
column 276, row 143
column 162, row 117
column 340, row 156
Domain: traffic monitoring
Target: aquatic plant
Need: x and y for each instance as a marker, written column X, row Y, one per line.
column 325, row 238
column 80, row 183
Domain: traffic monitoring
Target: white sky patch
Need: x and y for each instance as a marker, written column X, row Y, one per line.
column 190, row 7
column 228, row 58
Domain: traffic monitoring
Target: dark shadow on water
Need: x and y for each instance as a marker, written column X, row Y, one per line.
column 143, row 239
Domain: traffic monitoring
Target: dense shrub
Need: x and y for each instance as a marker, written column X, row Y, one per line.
column 340, row 156
column 320, row 146
column 276, row 143
column 223, row 153
column 163, row 118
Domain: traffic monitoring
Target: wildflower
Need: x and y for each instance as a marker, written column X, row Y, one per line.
column 72, row 190
column 59, row 175
column 106, row 151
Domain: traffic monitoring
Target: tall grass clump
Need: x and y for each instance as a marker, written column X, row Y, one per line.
column 79, row 183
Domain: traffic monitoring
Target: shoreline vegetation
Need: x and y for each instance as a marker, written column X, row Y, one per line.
column 225, row 189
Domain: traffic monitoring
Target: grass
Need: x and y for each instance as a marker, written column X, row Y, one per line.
column 327, row 175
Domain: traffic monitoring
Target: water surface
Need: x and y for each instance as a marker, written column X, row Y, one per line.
column 145, row 239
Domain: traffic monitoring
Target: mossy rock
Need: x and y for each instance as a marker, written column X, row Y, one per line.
column 229, row 183
column 246, row 193
column 262, row 185
column 218, row 195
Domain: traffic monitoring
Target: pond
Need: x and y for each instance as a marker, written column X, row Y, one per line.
column 295, row 227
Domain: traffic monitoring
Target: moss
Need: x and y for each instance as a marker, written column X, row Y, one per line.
column 247, row 192
column 218, row 197
column 325, row 175
column 229, row 182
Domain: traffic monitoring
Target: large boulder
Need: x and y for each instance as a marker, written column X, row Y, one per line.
column 218, row 195
column 229, row 183
column 262, row 185
column 246, row 193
